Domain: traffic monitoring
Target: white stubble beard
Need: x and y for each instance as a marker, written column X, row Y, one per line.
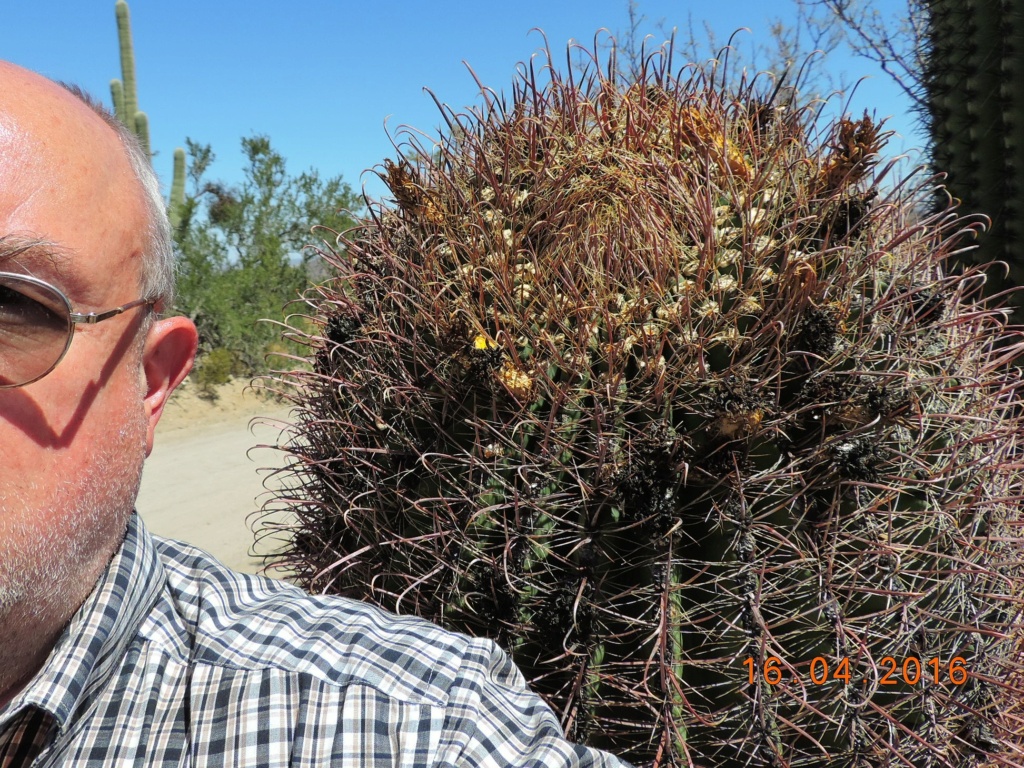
column 46, row 571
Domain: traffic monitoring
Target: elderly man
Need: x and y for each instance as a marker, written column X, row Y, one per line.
column 118, row 648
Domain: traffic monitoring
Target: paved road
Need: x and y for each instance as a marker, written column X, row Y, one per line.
column 201, row 485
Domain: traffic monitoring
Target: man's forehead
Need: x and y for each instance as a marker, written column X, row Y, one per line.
column 72, row 211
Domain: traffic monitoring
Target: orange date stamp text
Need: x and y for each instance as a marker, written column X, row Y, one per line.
column 910, row 670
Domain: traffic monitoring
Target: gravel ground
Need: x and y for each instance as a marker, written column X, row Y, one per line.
column 206, row 475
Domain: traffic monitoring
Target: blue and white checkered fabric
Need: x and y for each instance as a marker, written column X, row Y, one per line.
column 177, row 661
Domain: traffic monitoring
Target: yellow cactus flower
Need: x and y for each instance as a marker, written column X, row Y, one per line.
column 516, row 381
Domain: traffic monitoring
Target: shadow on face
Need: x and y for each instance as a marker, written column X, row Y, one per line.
column 23, row 412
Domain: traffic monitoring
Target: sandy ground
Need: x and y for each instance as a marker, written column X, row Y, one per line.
column 205, row 478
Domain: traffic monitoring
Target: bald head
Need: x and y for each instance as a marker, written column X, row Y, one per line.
column 63, row 120
column 75, row 201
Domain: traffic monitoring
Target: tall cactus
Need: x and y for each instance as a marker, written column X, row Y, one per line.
column 124, row 95
column 177, row 202
column 124, row 91
column 674, row 398
column 974, row 96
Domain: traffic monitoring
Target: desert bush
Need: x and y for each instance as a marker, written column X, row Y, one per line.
column 670, row 393
column 241, row 249
column 216, row 368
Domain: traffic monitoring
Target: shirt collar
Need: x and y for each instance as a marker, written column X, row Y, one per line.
column 97, row 637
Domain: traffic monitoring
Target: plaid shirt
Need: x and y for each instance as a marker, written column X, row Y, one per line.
column 176, row 661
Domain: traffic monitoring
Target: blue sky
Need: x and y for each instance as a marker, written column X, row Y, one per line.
column 321, row 77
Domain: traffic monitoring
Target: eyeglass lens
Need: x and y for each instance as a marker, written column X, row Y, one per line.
column 34, row 330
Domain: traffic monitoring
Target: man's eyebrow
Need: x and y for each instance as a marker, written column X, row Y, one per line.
column 27, row 253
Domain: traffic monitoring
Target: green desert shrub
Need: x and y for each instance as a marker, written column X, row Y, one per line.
column 669, row 393
column 216, row 368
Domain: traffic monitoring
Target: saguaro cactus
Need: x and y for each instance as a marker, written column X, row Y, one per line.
column 124, row 91
column 124, row 94
column 974, row 94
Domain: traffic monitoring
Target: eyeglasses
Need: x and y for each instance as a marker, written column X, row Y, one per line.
column 37, row 325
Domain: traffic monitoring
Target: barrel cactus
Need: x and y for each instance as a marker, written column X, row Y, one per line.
column 669, row 393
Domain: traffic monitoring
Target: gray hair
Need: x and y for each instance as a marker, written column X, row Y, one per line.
column 157, row 269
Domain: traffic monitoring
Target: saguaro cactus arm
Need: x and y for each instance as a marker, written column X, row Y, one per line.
column 117, row 97
column 177, row 201
column 141, row 124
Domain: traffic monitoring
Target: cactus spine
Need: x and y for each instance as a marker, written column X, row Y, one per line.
column 124, row 95
column 975, row 111
column 662, row 390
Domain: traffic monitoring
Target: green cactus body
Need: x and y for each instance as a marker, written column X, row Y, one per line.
column 668, row 397
column 177, row 201
column 117, row 98
column 124, row 95
column 123, row 92
column 141, row 124
column 975, row 67
column 124, row 40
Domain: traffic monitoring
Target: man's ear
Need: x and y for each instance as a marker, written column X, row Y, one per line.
column 167, row 356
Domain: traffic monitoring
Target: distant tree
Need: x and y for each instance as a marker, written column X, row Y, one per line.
column 896, row 41
column 242, row 249
column 791, row 55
